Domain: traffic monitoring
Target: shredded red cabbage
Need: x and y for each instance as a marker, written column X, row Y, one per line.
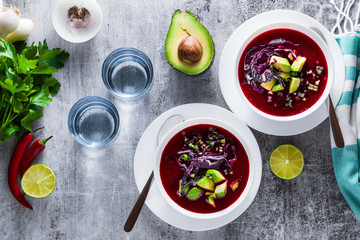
column 257, row 62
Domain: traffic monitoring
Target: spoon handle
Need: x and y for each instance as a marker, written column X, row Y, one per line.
column 335, row 127
column 130, row 222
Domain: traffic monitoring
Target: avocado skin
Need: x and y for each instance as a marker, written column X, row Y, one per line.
column 183, row 67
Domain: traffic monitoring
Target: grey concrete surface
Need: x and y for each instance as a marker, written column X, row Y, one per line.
column 96, row 190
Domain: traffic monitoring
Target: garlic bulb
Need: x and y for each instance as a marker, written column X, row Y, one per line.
column 22, row 31
column 9, row 21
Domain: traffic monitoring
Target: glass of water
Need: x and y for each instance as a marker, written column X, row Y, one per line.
column 94, row 121
column 127, row 73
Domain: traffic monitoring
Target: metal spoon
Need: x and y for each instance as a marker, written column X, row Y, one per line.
column 335, row 127
column 131, row 220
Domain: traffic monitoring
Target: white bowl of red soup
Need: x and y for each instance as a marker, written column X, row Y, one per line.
column 204, row 168
column 285, row 71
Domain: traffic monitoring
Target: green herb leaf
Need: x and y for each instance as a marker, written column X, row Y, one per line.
column 13, row 87
column 9, row 131
column 22, row 96
column 53, row 85
column 26, row 65
column 17, row 105
column 41, row 98
column 33, row 114
column 30, row 52
column 54, row 57
column 7, row 49
column 43, row 68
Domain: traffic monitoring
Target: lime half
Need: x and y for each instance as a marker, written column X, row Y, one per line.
column 38, row 181
column 286, row 161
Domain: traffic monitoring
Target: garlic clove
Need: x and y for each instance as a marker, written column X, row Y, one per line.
column 9, row 21
column 22, row 31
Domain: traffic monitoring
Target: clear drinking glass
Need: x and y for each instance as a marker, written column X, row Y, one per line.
column 94, row 121
column 127, row 73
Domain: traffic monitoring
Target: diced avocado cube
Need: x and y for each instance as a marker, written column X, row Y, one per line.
column 277, row 88
column 280, row 63
column 216, row 175
column 294, row 84
column 220, row 190
column 284, row 75
column 298, row 64
column 206, row 183
column 234, row 185
column 185, row 190
column 194, row 194
column 210, row 200
column 268, row 85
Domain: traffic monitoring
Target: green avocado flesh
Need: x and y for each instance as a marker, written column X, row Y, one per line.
column 195, row 193
column 294, row 84
column 206, row 183
column 298, row 64
column 220, row 190
column 185, row 24
column 210, row 200
column 216, row 175
column 280, row 63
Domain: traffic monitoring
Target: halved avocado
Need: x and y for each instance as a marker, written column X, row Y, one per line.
column 192, row 37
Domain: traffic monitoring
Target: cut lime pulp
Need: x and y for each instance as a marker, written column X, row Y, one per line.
column 38, row 181
column 286, row 161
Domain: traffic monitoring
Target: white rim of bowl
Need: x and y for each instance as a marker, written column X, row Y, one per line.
column 325, row 50
column 178, row 128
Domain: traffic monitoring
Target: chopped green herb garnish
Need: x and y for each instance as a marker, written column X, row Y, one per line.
column 319, row 70
column 313, row 87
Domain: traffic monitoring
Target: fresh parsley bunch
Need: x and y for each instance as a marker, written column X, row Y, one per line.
column 26, row 84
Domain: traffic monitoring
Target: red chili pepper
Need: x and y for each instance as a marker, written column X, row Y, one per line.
column 15, row 165
column 34, row 150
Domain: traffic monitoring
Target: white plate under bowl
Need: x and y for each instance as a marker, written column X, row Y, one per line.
column 229, row 60
column 145, row 157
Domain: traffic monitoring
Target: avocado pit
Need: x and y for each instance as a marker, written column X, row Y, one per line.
column 190, row 50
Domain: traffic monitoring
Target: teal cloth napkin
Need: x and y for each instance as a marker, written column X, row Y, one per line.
column 346, row 160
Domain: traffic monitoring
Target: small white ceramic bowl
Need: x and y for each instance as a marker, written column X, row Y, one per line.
column 196, row 121
column 330, row 68
column 61, row 22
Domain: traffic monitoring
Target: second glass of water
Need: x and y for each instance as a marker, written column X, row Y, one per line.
column 94, row 121
column 127, row 73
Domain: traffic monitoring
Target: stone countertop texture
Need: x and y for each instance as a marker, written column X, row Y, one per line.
column 96, row 191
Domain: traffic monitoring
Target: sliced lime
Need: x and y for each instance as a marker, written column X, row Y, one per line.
column 38, row 181
column 286, row 161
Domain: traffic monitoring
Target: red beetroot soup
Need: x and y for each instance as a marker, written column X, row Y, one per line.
column 256, row 66
column 171, row 171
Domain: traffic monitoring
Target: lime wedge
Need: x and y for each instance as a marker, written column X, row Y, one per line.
column 38, row 181
column 286, row 161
